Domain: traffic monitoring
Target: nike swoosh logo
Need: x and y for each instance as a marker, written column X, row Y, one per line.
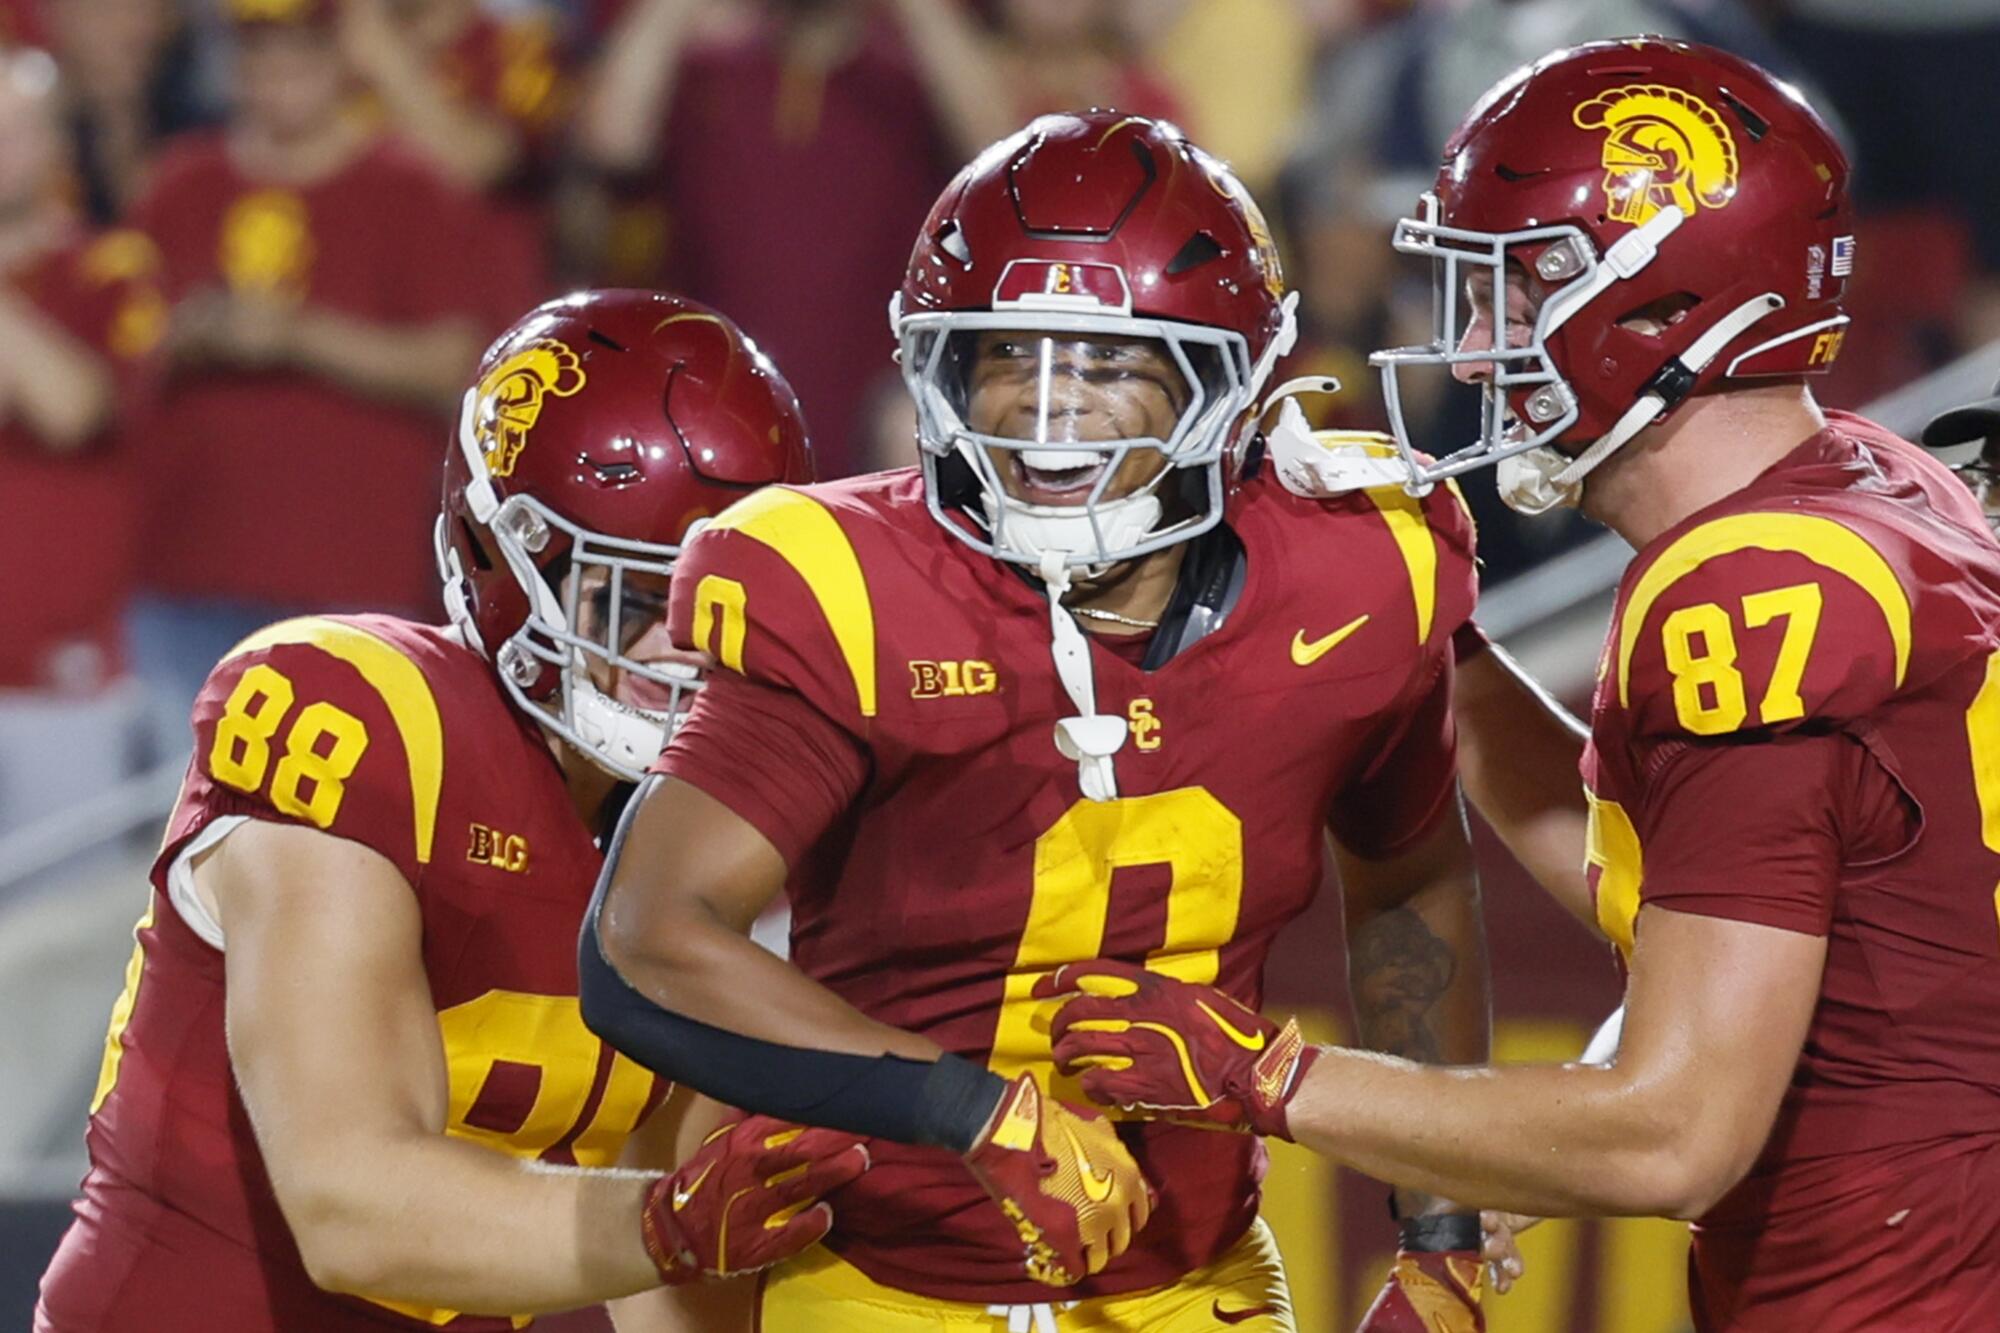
column 686, row 1192
column 1248, row 1041
column 1096, row 1184
column 1239, row 1316
column 1305, row 654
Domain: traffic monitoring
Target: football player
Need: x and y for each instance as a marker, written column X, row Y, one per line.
column 1794, row 769
column 348, row 1055
column 1074, row 688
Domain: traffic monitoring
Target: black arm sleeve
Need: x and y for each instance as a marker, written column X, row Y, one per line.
column 945, row 1104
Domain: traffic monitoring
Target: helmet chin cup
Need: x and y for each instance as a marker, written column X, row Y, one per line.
column 620, row 739
column 1531, row 482
column 1077, row 536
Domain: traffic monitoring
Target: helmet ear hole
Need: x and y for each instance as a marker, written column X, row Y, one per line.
column 1655, row 317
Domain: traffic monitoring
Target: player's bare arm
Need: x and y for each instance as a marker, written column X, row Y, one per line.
column 1416, row 949
column 691, row 876
column 335, row 1045
column 1518, row 750
column 1665, row 1131
column 334, row 1040
column 671, row 977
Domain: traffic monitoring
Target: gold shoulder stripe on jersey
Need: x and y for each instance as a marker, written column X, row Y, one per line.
column 1817, row 538
column 809, row 538
column 1411, row 530
column 402, row 687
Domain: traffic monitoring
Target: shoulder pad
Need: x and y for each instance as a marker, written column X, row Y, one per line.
column 1760, row 620
column 774, row 590
column 321, row 722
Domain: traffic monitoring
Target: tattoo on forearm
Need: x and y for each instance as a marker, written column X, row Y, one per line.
column 1398, row 970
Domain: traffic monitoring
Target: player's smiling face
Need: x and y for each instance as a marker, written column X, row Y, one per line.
column 1069, row 391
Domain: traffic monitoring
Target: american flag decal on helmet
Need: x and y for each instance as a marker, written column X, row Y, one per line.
column 1843, row 256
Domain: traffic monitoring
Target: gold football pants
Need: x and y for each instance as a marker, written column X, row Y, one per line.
column 1245, row 1290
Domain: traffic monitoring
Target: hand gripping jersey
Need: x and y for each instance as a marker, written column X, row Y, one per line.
column 886, row 718
column 1798, row 724
column 396, row 736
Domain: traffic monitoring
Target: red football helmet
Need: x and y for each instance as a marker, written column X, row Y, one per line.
column 1103, row 224
column 602, row 429
column 1628, row 178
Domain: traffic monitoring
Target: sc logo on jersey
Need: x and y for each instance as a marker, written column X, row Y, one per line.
column 952, row 680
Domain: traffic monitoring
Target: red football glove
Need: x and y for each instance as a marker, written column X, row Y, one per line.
column 1150, row 1043
column 747, row 1199
column 1065, row 1181
column 1429, row 1293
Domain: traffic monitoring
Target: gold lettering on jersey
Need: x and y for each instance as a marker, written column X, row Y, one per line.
column 1664, row 147
column 502, row 851
column 1826, row 347
column 1145, row 726
column 952, row 680
column 512, row 394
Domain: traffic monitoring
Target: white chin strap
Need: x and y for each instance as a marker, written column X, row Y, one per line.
column 620, row 739
column 1538, row 480
column 1044, row 530
column 1091, row 737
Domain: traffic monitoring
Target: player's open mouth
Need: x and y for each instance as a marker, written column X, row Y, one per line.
column 1056, row 476
column 656, row 696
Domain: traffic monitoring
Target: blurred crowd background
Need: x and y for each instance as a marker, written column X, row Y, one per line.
column 250, row 249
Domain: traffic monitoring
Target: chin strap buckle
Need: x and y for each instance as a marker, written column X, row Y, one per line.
column 1091, row 737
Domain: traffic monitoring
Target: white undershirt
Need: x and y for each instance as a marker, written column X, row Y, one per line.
column 180, row 881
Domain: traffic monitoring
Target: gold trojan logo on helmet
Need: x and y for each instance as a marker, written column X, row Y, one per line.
column 1665, row 146
column 511, row 397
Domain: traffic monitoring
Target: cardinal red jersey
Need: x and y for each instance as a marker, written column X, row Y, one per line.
column 308, row 493
column 1798, row 725
column 887, row 716
column 67, row 515
column 398, row 737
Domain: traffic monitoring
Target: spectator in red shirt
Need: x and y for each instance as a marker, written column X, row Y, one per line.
column 797, row 145
column 78, row 316
column 329, row 291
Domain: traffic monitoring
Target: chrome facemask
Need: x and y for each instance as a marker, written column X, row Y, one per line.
column 1573, row 274
column 1214, row 390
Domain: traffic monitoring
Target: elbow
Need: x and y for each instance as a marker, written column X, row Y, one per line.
column 639, row 1020
column 342, row 1249
column 1683, row 1178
